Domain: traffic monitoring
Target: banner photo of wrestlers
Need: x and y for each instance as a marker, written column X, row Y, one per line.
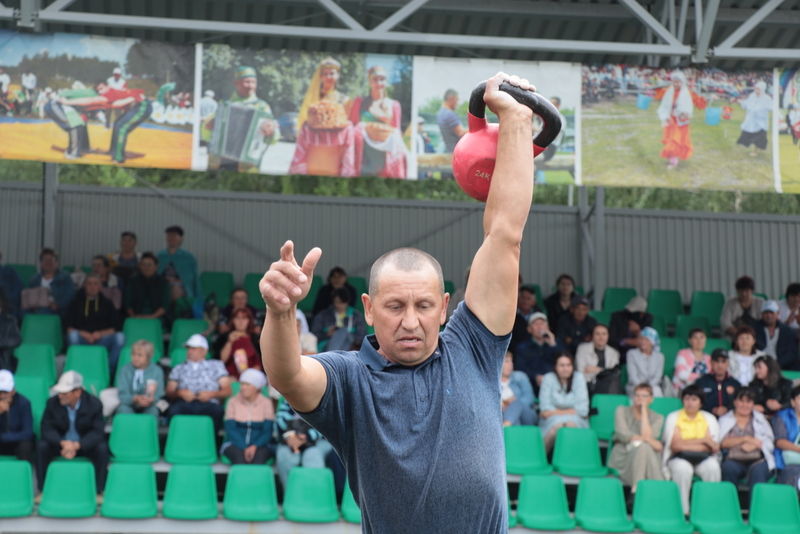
column 442, row 87
column 73, row 98
column 678, row 128
column 789, row 129
column 293, row 112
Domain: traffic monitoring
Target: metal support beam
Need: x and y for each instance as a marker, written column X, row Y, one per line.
column 49, row 193
column 599, row 271
column 6, row 12
column 709, row 20
column 343, row 16
column 682, row 20
column 59, row 5
column 788, row 54
column 400, row 15
column 585, row 247
column 29, row 15
column 650, row 21
column 750, row 23
column 698, row 19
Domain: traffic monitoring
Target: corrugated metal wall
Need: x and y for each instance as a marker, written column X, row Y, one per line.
column 242, row 232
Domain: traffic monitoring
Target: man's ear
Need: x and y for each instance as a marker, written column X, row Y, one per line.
column 365, row 300
column 443, row 318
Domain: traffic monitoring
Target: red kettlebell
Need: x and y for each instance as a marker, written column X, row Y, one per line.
column 475, row 153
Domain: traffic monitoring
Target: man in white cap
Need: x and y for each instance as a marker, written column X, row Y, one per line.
column 73, row 425
column 198, row 386
column 16, row 421
column 116, row 81
column 775, row 338
column 536, row 355
column 249, row 417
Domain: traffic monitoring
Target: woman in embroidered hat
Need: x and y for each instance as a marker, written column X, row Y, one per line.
column 675, row 113
column 646, row 363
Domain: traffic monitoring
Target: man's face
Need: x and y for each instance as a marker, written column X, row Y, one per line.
column 508, row 365
column 339, row 305
column 793, row 301
column 769, row 318
column 127, row 243
column 174, row 239
column 239, row 300
column 338, row 279
column 69, row 398
column 92, row 287
column 99, row 267
column 580, row 312
column 537, row 328
column 147, row 267
column 719, row 367
column 642, row 397
column 744, row 295
column 48, row 264
column 246, row 87
column 196, row 354
column 6, row 396
column 452, row 101
column 406, row 312
column 565, row 286
column 526, row 301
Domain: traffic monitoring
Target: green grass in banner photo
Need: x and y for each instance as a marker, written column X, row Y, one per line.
column 790, row 164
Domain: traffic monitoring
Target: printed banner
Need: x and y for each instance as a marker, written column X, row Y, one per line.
column 290, row 112
column 84, row 99
column 687, row 128
column 441, row 94
column 789, row 130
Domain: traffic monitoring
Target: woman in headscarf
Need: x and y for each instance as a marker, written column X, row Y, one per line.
column 675, row 112
column 756, row 107
column 646, row 363
column 380, row 150
column 326, row 138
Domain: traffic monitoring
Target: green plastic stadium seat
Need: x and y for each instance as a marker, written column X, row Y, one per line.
column 69, row 490
column 350, row 510
column 791, row 375
column 134, row 438
column 603, row 422
column 183, row 329
column 307, row 304
column 250, row 494
column 16, row 491
column 360, row 285
column 715, row 509
column 217, row 285
column 36, row 359
column 135, row 329
column 36, row 390
column 250, row 285
column 43, row 329
column 774, row 509
column 660, row 325
column 91, row 361
column 686, row 323
column 708, row 304
column 191, row 493
column 666, row 303
column 525, row 451
column 717, row 343
column 600, row 506
column 130, row 492
column 577, row 453
column 657, row 508
column 669, row 348
column 25, row 272
column 601, row 316
column 666, row 405
column 542, row 503
column 616, row 298
column 310, row 496
column 190, row 440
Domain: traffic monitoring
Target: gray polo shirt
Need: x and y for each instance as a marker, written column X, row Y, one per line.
column 423, row 445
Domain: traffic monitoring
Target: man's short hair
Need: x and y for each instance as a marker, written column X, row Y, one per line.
column 450, row 93
column 128, row 233
column 692, row 390
column 47, row 252
column 149, row 256
column 527, row 289
column 336, row 270
column 174, row 229
column 719, row 355
column 342, row 294
column 102, row 258
column 644, row 386
column 792, row 289
column 405, row 259
column 745, row 282
column 745, row 393
column 795, row 392
column 565, row 276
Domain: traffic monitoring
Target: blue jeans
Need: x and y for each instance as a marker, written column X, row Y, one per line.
column 313, row 456
column 518, row 413
column 756, row 472
column 112, row 342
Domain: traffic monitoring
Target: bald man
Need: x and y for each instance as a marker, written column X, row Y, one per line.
column 415, row 415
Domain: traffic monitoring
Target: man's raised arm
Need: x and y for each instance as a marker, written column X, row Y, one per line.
column 491, row 292
column 300, row 379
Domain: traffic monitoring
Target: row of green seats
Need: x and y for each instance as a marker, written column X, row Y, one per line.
column 576, row 452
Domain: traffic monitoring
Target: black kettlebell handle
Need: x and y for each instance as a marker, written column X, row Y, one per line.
column 538, row 104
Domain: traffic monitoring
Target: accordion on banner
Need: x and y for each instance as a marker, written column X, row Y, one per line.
column 237, row 133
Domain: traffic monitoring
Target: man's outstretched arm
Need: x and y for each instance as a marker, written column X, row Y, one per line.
column 491, row 292
column 300, row 379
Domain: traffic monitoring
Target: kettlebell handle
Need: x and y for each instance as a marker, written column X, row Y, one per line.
column 536, row 102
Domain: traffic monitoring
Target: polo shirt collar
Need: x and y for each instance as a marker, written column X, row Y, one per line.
column 374, row 360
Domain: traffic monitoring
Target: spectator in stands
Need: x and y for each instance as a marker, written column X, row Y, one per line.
column 180, row 305
column 771, row 391
column 786, row 429
column 10, row 337
column 693, row 362
column 147, row 292
column 691, row 444
column 789, row 308
column 646, row 363
column 101, row 266
column 298, row 444
column 249, row 417
column 72, row 425
column 626, row 325
column 563, row 399
column 337, row 278
column 179, row 266
column 198, row 386
column 458, row 295
column 57, row 282
column 140, row 382
column 526, row 306
column 91, row 319
column 576, row 327
column 238, row 301
column 516, row 395
column 636, row 452
column 536, row 355
column 10, row 287
column 718, row 387
column 747, row 442
column 239, row 348
column 743, row 309
column 340, row 326
column 16, row 421
column 744, row 354
column 776, row 339
column 559, row 303
column 598, row 362
column 125, row 262
column 308, row 341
